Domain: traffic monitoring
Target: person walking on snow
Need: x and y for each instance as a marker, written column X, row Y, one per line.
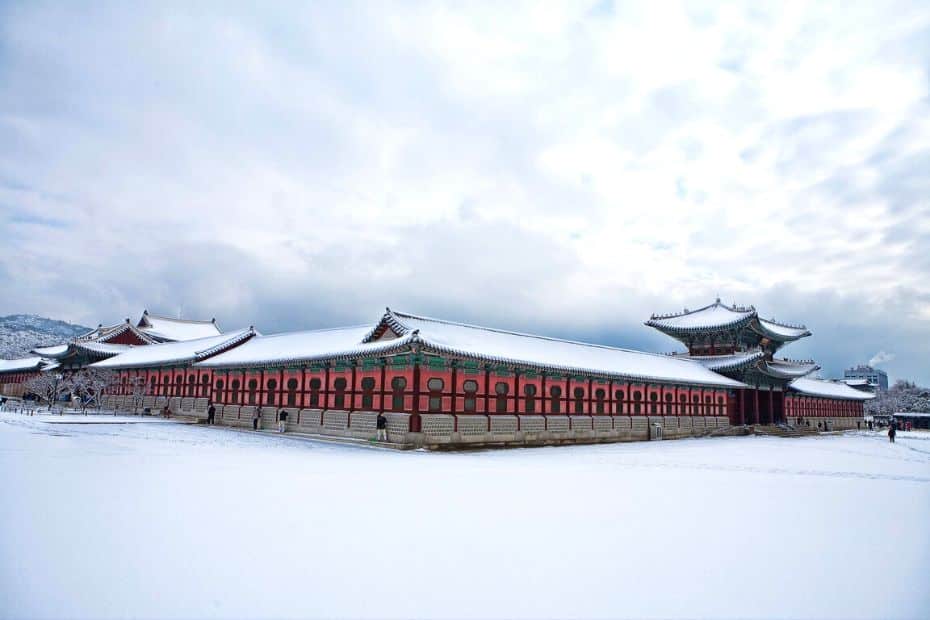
column 211, row 414
column 282, row 421
column 892, row 431
column 166, row 411
column 381, row 425
column 257, row 418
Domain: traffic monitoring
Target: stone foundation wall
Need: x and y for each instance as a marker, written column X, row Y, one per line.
column 446, row 431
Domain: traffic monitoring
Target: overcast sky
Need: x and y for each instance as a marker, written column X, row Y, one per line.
column 561, row 168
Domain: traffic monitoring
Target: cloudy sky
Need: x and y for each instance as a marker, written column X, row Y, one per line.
column 563, row 168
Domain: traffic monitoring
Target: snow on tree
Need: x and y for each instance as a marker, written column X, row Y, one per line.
column 90, row 384
column 902, row 397
column 137, row 388
column 49, row 386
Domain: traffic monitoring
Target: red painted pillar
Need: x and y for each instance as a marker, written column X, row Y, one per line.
column 415, row 416
column 742, row 406
column 454, row 384
column 381, row 387
column 352, row 398
column 544, row 398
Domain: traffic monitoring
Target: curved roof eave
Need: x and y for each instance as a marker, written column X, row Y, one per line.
column 390, row 347
column 724, row 382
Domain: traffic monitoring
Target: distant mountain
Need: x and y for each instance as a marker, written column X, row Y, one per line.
column 21, row 332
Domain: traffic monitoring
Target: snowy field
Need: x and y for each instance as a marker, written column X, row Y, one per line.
column 166, row 520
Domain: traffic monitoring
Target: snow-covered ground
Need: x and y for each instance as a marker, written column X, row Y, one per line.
column 166, row 520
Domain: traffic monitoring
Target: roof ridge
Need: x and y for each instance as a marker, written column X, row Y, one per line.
column 232, row 338
column 522, row 334
column 734, row 308
column 307, row 331
column 174, row 320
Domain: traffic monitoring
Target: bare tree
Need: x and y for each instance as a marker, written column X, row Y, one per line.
column 49, row 386
column 137, row 390
column 92, row 383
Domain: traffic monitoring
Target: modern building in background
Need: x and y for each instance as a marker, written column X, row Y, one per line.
column 874, row 376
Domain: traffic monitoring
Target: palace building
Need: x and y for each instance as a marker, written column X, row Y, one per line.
column 445, row 382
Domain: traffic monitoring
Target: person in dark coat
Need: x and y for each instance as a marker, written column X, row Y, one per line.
column 892, row 431
column 381, row 425
column 211, row 414
column 257, row 418
column 282, row 421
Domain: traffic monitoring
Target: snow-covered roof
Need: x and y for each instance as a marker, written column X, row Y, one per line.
column 788, row 369
column 713, row 316
column 732, row 361
column 828, row 389
column 304, row 346
column 53, row 351
column 168, row 329
column 544, row 353
column 105, row 348
column 782, row 331
column 20, row 365
column 718, row 316
column 106, row 333
column 171, row 353
column 856, row 382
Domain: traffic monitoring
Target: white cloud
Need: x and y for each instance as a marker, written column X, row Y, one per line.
column 596, row 165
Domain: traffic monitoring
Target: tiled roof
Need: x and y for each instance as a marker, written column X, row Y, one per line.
column 788, row 369
column 718, row 316
column 828, row 389
column 732, row 361
column 782, row 331
column 715, row 315
column 21, row 365
column 167, row 329
column 173, row 353
column 551, row 354
column 305, row 346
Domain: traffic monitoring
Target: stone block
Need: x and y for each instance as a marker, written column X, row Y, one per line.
column 398, row 426
column 532, row 423
column 558, row 424
column 269, row 416
column 623, row 423
column 581, row 423
column 363, row 423
column 309, row 420
column 602, row 423
column 472, row 425
column 335, row 421
column 503, row 424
